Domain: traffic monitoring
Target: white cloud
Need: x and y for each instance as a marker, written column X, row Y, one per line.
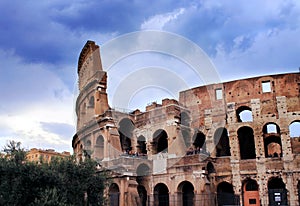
column 158, row 21
column 272, row 51
column 33, row 95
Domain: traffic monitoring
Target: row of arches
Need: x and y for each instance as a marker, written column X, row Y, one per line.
column 271, row 141
column 186, row 194
column 245, row 134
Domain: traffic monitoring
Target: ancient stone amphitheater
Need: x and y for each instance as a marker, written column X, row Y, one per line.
column 235, row 143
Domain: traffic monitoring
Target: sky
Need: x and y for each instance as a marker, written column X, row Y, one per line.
column 40, row 42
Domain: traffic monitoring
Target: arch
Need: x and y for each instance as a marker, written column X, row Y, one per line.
column 294, row 129
column 186, row 193
column 160, row 140
column 221, row 141
column 210, row 168
column 225, row 194
column 99, row 148
column 114, row 194
column 141, row 145
column 143, row 170
column 88, row 143
column 277, row 191
column 272, row 140
column 271, row 128
column 125, row 129
column 161, row 195
column 87, row 149
column 199, row 140
column 272, row 145
column 186, row 136
column 92, row 101
column 250, row 193
column 244, row 114
column 142, row 194
column 185, row 119
column 246, row 142
column 83, row 109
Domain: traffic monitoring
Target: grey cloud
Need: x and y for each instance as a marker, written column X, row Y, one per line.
column 62, row 129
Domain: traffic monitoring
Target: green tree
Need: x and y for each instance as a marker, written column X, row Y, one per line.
column 62, row 182
column 14, row 151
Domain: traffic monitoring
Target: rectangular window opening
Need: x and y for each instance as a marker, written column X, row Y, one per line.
column 266, row 86
column 219, row 94
column 252, row 201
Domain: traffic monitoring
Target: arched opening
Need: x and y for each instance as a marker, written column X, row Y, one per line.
column 141, row 145
column 225, row 194
column 272, row 140
column 126, row 128
column 88, row 144
column 210, row 168
column 246, row 142
column 99, row 148
column 221, row 141
column 143, row 170
column 277, row 192
column 87, row 151
column 184, row 119
column 160, row 141
column 271, row 128
column 250, row 193
column 294, row 129
column 186, row 193
column 92, row 102
column 244, row 114
column 199, row 141
column 114, row 195
column 142, row 194
column 161, row 195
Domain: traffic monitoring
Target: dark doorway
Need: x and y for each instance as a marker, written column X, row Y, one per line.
column 277, row 192
column 161, row 195
column 142, row 145
column 126, row 128
column 246, row 142
column 186, row 190
column 221, row 141
column 225, row 195
column 142, row 194
column 199, row 140
column 160, row 139
column 114, row 195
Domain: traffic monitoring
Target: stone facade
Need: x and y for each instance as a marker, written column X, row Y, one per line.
column 219, row 144
column 40, row 155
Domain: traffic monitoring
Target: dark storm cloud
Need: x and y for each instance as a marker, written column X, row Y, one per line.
column 55, row 31
column 111, row 16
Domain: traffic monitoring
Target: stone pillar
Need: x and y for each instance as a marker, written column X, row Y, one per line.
column 290, row 187
column 133, row 198
column 263, row 188
column 122, row 192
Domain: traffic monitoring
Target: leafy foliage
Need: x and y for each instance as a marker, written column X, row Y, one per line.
column 62, row 182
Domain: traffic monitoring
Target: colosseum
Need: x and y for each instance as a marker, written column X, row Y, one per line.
column 235, row 143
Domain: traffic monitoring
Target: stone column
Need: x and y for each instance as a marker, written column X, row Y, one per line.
column 290, row 187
